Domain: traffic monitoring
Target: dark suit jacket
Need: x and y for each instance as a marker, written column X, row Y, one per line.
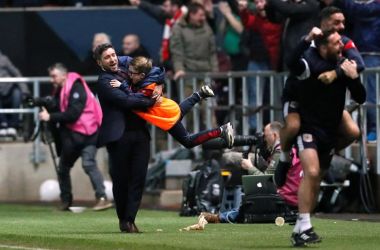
column 117, row 107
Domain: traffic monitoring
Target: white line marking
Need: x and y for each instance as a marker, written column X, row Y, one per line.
column 21, row 247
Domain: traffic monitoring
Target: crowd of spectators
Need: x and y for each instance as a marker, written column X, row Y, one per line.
column 52, row 3
column 252, row 35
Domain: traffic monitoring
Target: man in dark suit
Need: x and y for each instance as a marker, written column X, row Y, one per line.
column 125, row 135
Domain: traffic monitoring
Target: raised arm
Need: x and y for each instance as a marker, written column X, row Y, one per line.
column 293, row 9
column 152, row 10
column 298, row 65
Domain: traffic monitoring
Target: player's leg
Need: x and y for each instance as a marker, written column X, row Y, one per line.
column 179, row 132
column 303, row 232
column 348, row 132
column 288, row 133
column 196, row 97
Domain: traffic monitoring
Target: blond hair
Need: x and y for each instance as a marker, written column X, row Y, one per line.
column 141, row 64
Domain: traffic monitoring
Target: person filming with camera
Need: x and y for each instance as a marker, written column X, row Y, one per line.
column 77, row 115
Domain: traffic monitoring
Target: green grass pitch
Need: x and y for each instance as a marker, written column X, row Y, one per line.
column 43, row 227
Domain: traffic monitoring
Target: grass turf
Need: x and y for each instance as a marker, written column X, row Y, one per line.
column 46, row 228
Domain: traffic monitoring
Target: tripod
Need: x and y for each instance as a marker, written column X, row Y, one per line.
column 47, row 137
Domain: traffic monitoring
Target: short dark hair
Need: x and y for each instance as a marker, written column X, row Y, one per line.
column 193, row 8
column 324, row 39
column 59, row 66
column 176, row 2
column 327, row 12
column 100, row 49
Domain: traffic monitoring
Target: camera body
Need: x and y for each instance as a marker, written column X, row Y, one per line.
column 48, row 131
column 47, row 101
column 257, row 140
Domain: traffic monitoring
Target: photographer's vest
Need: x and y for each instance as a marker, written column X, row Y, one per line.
column 293, row 179
column 91, row 118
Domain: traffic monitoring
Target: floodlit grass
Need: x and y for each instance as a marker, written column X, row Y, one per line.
column 45, row 228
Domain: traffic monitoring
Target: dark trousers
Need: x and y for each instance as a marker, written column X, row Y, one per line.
column 75, row 145
column 179, row 132
column 129, row 158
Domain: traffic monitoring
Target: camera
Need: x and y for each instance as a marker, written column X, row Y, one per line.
column 248, row 140
column 47, row 129
column 47, row 102
column 256, row 140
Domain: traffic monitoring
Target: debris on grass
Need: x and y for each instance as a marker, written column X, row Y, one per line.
column 199, row 226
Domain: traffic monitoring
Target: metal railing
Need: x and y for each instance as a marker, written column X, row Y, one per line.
column 237, row 105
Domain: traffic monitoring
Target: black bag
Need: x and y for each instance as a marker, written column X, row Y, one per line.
column 265, row 208
column 201, row 189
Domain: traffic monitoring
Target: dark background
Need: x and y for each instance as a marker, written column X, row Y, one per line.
column 35, row 39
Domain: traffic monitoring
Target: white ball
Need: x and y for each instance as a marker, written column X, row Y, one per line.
column 49, row 190
column 109, row 193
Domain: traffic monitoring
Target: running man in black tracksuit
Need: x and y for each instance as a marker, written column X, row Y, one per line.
column 320, row 107
column 332, row 18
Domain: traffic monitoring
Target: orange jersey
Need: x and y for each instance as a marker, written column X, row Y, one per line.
column 163, row 115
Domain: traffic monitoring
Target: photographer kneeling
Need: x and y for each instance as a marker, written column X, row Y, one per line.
column 261, row 163
column 77, row 115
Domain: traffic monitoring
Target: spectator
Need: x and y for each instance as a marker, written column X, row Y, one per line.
column 79, row 116
column 365, row 18
column 132, row 46
column 209, row 10
column 11, row 95
column 192, row 43
column 168, row 14
column 299, row 15
column 193, row 47
column 89, row 65
column 232, row 28
column 263, row 44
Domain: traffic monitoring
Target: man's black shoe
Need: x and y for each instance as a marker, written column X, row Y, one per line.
column 280, row 173
column 65, row 206
column 128, row 227
column 305, row 238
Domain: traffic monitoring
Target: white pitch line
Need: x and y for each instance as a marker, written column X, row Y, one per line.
column 21, row 247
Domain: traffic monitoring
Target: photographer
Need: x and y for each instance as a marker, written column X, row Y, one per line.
column 78, row 116
column 267, row 157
